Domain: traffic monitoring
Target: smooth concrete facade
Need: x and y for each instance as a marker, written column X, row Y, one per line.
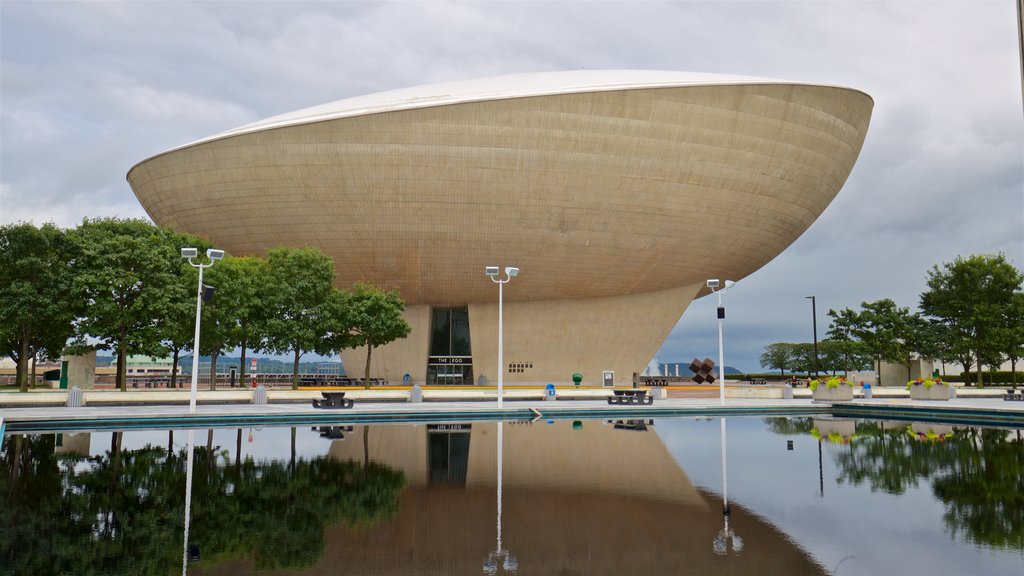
column 612, row 191
column 555, row 338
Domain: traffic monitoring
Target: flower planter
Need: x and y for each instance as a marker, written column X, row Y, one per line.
column 936, row 392
column 841, row 393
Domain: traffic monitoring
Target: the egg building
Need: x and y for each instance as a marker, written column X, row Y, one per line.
column 616, row 193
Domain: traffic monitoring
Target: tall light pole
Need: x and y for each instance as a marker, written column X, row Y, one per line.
column 713, row 284
column 213, row 256
column 814, row 319
column 492, row 273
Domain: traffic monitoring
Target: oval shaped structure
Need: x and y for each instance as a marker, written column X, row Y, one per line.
column 613, row 191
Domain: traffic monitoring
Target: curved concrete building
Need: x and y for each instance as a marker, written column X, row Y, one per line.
column 617, row 193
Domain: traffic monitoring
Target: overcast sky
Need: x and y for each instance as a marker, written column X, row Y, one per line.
column 87, row 89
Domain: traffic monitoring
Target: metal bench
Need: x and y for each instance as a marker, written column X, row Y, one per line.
column 634, row 396
column 333, row 400
column 1012, row 394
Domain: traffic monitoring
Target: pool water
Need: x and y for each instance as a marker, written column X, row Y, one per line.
column 774, row 495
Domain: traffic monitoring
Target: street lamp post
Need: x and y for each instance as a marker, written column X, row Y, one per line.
column 492, row 273
column 814, row 319
column 189, row 254
column 713, row 285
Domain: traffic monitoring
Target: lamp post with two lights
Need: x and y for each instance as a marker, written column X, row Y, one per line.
column 492, row 272
column 190, row 254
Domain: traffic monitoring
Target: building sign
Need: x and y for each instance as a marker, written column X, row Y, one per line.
column 449, row 427
column 450, row 360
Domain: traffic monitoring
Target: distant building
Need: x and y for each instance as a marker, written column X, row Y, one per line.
column 617, row 194
column 148, row 366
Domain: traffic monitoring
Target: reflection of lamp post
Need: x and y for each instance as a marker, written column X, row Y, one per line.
column 189, row 254
column 188, row 496
column 726, row 536
column 492, row 272
column 508, row 561
column 814, row 319
column 721, row 316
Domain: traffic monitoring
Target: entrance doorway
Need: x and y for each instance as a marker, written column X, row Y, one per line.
column 451, row 360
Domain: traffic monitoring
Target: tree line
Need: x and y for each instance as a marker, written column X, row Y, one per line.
column 121, row 285
column 972, row 314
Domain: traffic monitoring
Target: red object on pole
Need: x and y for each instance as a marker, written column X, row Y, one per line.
column 252, row 370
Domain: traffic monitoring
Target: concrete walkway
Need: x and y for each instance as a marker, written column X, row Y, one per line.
column 293, row 407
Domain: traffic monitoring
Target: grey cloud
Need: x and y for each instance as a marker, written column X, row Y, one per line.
column 89, row 89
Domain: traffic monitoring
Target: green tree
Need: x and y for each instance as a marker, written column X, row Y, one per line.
column 1013, row 334
column 372, row 318
column 215, row 330
column 125, row 272
column 803, row 357
column 972, row 296
column 889, row 332
column 778, row 356
column 855, row 355
column 243, row 293
column 37, row 306
column 300, row 281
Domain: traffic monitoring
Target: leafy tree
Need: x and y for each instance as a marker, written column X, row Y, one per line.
column 243, row 291
column 125, row 272
column 1013, row 334
column 37, row 308
column 300, row 280
column 215, row 331
column 889, row 332
column 855, row 355
column 951, row 347
column 803, row 357
column 972, row 296
column 836, row 356
column 778, row 356
column 373, row 318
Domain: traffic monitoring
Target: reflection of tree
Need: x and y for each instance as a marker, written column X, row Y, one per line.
column 790, row 425
column 976, row 473
column 122, row 512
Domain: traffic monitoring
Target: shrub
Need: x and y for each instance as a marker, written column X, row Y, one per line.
column 998, row 377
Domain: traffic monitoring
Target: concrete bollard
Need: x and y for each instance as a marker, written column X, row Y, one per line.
column 787, row 391
column 416, row 393
column 259, row 394
column 952, row 392
column 76, row 399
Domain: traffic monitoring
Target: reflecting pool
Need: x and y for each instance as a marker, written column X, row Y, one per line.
column 668, row 496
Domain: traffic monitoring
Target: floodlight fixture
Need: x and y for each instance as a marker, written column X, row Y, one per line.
column 713, row 283
column 511, row 271
column 189, row 253
column 491, row 271
column 214, row 254
column 729, row 284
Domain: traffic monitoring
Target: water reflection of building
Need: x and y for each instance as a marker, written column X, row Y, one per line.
column 594, row 500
